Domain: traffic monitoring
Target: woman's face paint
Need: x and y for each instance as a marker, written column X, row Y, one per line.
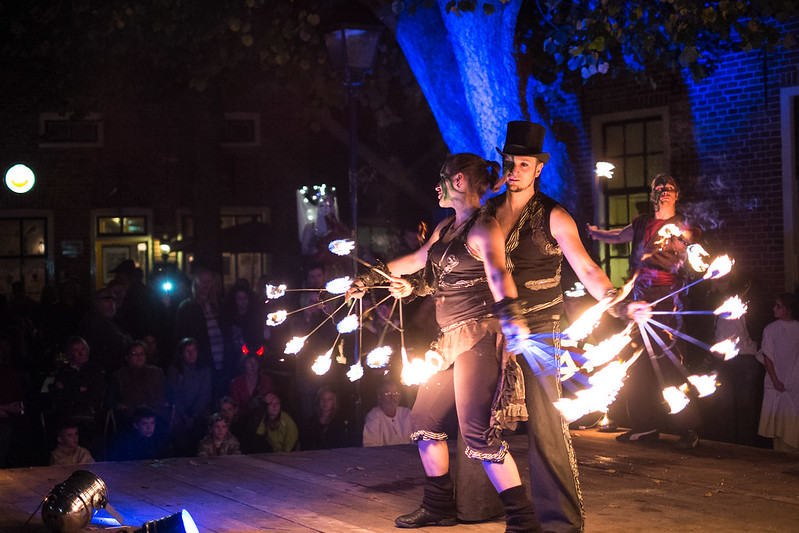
column 444, row 186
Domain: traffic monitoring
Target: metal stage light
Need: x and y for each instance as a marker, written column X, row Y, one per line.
column 72, row 503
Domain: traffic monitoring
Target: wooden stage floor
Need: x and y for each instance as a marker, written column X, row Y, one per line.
column 626, row 487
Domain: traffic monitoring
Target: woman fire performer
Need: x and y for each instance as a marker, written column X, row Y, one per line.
column 464, row 263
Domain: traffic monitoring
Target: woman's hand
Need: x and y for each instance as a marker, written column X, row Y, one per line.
column 356, row 290
column 400, row 288
column 778, row 384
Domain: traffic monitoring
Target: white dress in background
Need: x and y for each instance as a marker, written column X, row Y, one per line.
column 779, row 416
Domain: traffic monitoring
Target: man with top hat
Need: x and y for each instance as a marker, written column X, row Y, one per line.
column 658, row 263
column 539, row 232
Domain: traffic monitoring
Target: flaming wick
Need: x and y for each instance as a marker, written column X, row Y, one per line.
column 720, row 267
column 355, row 372
column 344, row 247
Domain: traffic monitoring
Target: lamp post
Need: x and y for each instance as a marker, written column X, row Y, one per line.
column 352, row 46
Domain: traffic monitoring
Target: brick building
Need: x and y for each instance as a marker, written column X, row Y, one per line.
column 124, row 179
column 731, row 142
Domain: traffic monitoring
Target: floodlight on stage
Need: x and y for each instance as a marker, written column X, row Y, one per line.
column 177, row 523
column 71, row 504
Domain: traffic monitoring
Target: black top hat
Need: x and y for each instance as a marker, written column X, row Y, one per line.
column 525, row 138
column 125, row 267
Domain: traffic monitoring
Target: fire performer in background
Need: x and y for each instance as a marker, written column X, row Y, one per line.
column 539, row 232
column 658, row 262
column 464, row 261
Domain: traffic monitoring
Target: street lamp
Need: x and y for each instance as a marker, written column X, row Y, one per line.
column 352, row 46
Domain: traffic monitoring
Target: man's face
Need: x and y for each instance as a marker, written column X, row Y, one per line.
column 190, row 354
column 204, row 285
column 388, row 399
column 520, row 172
column 106, row 305
column 664, row 195
column 145, row 427
column 78, row 354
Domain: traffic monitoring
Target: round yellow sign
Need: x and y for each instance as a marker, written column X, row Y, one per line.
column 20, row 179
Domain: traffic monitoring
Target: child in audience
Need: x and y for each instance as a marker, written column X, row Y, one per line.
column 68, row 451
column 218, row 441
column 145, row 440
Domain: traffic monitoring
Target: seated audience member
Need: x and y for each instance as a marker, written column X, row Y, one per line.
column 78, row 388
column 327, row 428
column 388, row 423
column 67, row 450
column 143, row 440
column 248, row 388
column 189, row 383
column 105, row 337
column 229, row 409
column 280, row 430
column 137, row 385
column 218, row 441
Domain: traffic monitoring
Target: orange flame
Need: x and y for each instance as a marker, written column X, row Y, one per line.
column 732, row 308
column 676, row 399
column 417, row 370
column 696, row 257
column 603, row 387
column 728, row 348
column 295, row 345
column 705, row 384
column 607, row 349
column 322, row 363
column 720, row 267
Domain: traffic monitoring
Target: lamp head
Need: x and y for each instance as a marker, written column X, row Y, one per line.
column 71, row 504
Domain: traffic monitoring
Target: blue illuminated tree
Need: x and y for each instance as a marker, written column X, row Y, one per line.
column 467, row 68
column 482, row 63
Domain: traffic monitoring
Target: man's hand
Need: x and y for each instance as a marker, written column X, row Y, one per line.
column 515, row 332
column 400, row 288
column 639, row 311
column 514, row 326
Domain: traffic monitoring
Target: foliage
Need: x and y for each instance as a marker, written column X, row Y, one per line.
column 161, row 48
column 586, row 39
column 167, row 49
column 576, row 40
